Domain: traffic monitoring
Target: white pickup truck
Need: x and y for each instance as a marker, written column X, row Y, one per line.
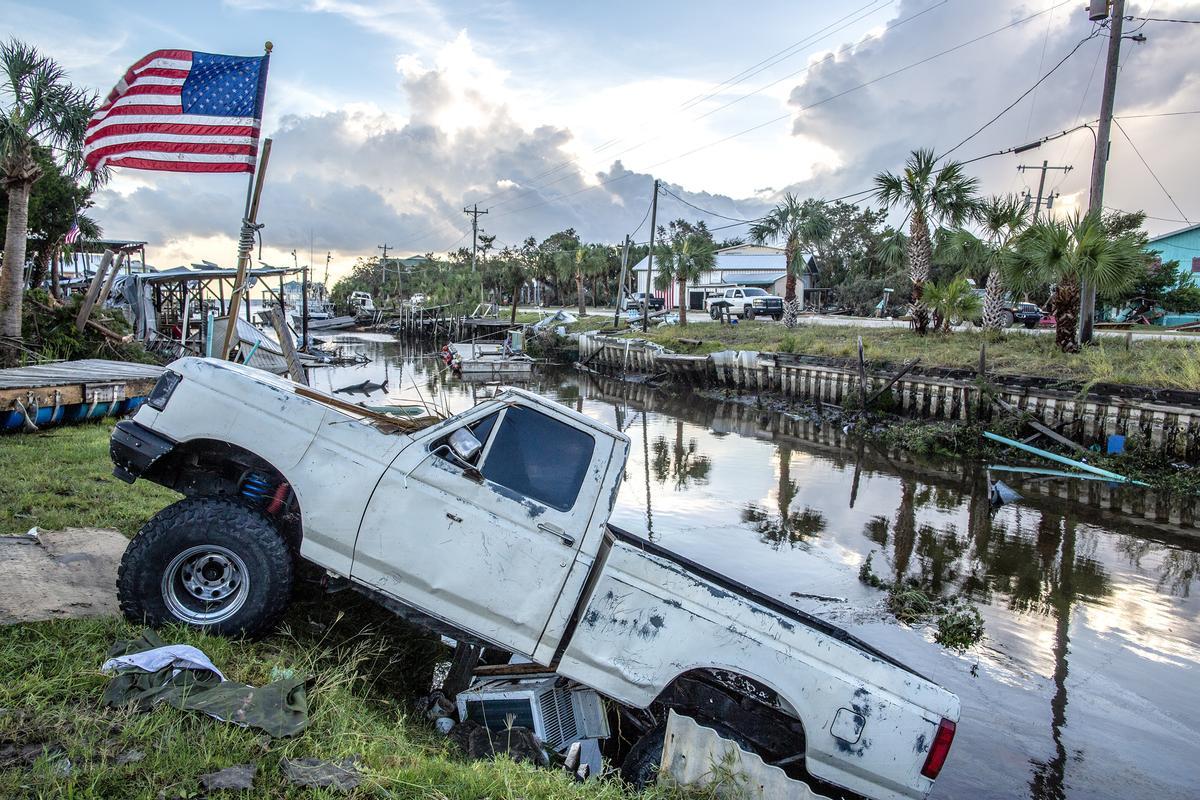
column 492, row 527
column 745, row 302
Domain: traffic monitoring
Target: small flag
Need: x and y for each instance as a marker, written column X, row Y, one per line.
column 73, row 234
column 181, row 111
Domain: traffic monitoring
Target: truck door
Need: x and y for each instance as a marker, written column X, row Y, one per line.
column 488, row 548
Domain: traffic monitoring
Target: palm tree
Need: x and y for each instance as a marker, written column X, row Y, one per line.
column 950, row 301
column 928, row 194
column 687, row 256
column 1001, row 219
column 39, row 109
column 1066, row 254
column 801, row 226
column 582, row 262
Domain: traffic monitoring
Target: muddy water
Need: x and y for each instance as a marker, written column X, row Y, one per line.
column 1087, row 682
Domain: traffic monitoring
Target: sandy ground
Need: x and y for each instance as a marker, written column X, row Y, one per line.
column 59, row 574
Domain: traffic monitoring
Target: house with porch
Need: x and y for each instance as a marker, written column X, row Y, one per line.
column 1183, row 246
column 755, row 265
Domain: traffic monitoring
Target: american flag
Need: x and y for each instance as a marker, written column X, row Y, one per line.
column 181, row 111
column 72, row 235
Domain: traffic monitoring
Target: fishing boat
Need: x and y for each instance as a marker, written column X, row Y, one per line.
column 489, row 359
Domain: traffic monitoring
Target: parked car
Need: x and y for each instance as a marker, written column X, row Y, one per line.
column 1028, row 314
column 638, row 300
column 746, row 302
column 492, row 528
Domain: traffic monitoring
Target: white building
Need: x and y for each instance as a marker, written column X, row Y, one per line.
column 742, row 265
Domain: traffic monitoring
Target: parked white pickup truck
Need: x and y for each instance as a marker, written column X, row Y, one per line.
column 492, row 526
column 745, row 302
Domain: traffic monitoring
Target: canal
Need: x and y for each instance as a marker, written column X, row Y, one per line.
column 1086, row 683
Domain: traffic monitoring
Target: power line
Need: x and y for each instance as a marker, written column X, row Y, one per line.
column 645, row 217
column 705, row 210
column 1023, row 94
column 1160, row 19
column 1162, row 114
column 1151, row 170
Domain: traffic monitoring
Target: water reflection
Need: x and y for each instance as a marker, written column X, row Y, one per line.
column 1087, row 592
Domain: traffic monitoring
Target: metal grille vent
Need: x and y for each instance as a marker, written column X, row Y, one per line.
column 558, row 717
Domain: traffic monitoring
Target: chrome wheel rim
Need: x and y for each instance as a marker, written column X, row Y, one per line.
column 205, row 584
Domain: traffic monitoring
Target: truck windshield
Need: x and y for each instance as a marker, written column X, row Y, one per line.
column 754, row 293
column 539, row 457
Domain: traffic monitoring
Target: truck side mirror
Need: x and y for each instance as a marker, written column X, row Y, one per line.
column 464, row 444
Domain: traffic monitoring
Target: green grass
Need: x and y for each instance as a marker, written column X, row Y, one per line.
column 1157, row 363
column 63, row 478
column 50, row 690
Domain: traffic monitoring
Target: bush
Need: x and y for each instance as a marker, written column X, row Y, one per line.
column 861, row 294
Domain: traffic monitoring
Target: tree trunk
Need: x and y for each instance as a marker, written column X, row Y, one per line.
column 1066, row 315
column 516, row 296
column 56, row 272
column 579, row 294
column 12, row 280
column 40, row 266
column 791, row 310
column 682, row 299
column 993, row 301
column 920, row 259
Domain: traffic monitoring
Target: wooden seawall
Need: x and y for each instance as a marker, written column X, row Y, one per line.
column 1169, row 420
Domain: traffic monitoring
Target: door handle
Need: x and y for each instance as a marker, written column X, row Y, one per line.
column 567, row 539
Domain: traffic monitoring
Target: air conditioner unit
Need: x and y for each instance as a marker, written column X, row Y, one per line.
column 557, row 715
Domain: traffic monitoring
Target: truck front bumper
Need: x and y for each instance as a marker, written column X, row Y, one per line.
column 135, row 448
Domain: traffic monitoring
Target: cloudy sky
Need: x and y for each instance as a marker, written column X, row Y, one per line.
column 388, row 116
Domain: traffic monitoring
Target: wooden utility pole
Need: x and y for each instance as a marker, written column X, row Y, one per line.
column 243, row 268
column 1087, row 300
column 621, row 283
column 89, row 300
column 474, row 212
column 650, row 259
column 1037, row 207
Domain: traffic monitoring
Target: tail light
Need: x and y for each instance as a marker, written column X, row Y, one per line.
column 938, row 750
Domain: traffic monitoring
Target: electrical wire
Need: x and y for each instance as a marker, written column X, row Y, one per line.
column 704, row 210
column 1161, row 19
column 1162, row 114
column 645, row 216
column 1149, row 169
column 1023, row 95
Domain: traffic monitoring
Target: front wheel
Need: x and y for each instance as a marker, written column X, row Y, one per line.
column 748, row 312
column 777, row 317
column 212, row 563
column 642, row 762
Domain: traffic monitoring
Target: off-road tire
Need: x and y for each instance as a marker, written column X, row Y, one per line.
column 748, row 312
column 714, row 312
column 1007, row 318
column 777, row 317
column 227, row 524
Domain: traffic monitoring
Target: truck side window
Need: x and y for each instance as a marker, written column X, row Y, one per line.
column 539, row 457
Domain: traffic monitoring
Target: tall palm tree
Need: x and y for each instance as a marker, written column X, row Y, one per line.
column 1001, row 218
column 1067, row 254
column 929, row 195
column 800, row 226
column 686, row 257
column 583, row 262
column 37, row 107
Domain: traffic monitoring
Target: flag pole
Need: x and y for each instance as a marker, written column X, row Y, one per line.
column 249, row 219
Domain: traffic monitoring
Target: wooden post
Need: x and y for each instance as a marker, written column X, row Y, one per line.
column 85, row 310
column 862, row 374
column 295, row 368
column 122, row 257
column 239, row 289
column 466, row 658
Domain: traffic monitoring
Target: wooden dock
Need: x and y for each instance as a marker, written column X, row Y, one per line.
column 68, row 391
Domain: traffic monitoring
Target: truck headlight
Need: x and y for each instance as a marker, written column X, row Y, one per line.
column 163, row 390
column 760, row 302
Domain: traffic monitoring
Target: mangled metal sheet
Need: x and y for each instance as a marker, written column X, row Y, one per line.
column 697, row 757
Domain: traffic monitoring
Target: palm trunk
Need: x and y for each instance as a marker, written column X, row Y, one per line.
column 993, row 300
column 40, row 266
column 1066, row 314
column 56, row 272
column 516, row 296
column 682, row 299
column 791, row 310
column 920, row 259
column 579, row 293
column 12, row 279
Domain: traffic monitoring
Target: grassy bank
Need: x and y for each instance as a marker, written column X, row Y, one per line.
column 366, row 666
column 1167, row 364
column 63, row 478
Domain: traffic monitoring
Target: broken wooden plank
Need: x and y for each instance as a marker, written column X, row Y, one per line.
column 85, row 309
column 903, row 371
column 1038, row 426
column 288, row 346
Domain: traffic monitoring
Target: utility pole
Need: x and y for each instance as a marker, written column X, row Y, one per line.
column 650, row 260
column 474, row 212
column 1087, row 300
column 621, row 283
column 1042, row 185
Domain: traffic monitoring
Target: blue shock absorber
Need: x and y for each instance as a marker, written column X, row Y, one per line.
column 255, row 488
